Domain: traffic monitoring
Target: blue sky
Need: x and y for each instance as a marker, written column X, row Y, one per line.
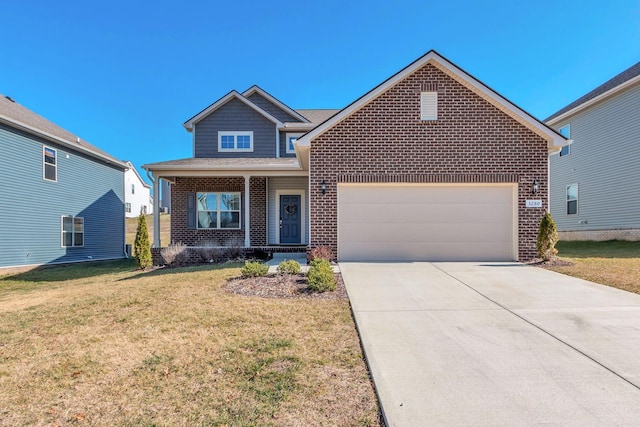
column 125, row 75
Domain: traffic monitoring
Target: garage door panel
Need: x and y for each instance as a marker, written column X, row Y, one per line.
column 430, row 222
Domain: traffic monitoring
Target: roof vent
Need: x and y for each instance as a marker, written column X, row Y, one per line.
column 10, row 99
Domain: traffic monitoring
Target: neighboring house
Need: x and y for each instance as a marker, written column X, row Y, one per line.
column 165, row 196
column 429, row 165
column 594, row 180
column 62, row 199
column 137, row 193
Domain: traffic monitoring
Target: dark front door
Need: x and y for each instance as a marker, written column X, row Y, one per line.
column 290, row 219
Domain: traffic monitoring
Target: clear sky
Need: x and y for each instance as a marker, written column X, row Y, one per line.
column 125, row 75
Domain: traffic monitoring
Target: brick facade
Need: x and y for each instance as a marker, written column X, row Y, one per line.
column 385, row 141
column 195, row 237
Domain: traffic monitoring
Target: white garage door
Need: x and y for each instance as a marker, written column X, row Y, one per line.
column 404, row 222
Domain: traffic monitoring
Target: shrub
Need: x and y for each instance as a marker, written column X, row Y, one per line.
column 175, row 254
column 320, row 277
column 210, row 254
column 254, row 269
column 321, row 252
column 142, row 247
column 289, row 267
column 547, row 238
column 233, row 248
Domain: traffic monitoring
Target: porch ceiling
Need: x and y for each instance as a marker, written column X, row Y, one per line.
column 228, row 167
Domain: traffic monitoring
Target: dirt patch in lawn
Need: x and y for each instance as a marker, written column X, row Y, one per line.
column 283, row 286
column 553, row 262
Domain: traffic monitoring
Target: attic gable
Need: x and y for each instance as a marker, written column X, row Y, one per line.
column 273, row 105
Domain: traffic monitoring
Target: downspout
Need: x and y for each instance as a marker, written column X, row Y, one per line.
column 156, row 209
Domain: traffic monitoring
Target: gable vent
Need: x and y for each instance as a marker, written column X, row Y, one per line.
column 429, row 105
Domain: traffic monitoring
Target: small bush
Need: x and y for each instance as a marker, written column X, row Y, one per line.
column 289, row 267
column 320, row 277
column 321, row 252
column 547, row 238
column 142, row 248
column 210, row 254
column 175, row 254
column 233, row 248
column 254, row 269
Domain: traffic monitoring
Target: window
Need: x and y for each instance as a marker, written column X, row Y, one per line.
column 291, row 138
column 218, row 210
column 72, row 231
column 133, row 189
column 127, row 207
column 572, row 199
column 49, row 164
column 428, row 105
column 235, row 141
column 566, row 132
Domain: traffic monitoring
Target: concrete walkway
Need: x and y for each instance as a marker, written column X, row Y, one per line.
column 496, row 344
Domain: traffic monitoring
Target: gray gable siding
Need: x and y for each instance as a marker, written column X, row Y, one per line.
column 604, row 162
column 272, row 109
column 235, row 116
column 283, row 146
column 32, row 207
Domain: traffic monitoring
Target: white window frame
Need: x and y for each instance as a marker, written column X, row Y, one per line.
column 218, row 210
column 429, row 106
column 235, row 135
column 287, row 138
column 127, row 207
column 44, row 163
column 73, row 231
column 566, row 150
column 567, row 198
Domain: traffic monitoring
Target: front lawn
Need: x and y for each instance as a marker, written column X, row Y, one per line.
column 614, row 263
column 104, row 344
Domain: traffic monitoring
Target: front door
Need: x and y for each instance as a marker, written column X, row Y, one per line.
column 290, row 219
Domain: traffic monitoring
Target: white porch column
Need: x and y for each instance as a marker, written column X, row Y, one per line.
column 156, row 213
column 247, row 212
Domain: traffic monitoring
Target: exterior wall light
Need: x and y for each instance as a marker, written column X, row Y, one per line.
column 323, row 187
column 536, row 186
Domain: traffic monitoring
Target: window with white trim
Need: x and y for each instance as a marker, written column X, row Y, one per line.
column 566, row 132
column 127, row 207
column 235, row 141
column 572, row 199
column 218, row 210
column 428, row 105
column 72, row 230
column 291, row 138
column 49, row 163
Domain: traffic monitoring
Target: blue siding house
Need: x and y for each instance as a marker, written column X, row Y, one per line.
column 62, row 198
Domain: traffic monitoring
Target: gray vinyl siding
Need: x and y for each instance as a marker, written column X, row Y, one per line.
column 604, row 162
column 272, row 109
column 32, row 207
column 235, row 116
column 286, row 183
column 283, row 145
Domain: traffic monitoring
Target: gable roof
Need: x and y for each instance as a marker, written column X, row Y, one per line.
column 257, row 89
column 623, row 80
column 554, row 140
column 318, row 116
column 133, row 168
column 20, row 117
column 222, row 101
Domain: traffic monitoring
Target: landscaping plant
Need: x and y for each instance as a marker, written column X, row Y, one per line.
column 254, row 269
column 175, row 254
column 320, row 277
column 289, row 267
column 547, row 238
column 142, row 247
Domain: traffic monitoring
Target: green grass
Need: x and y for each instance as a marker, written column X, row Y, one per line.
column 104, row 344
column 613, row 263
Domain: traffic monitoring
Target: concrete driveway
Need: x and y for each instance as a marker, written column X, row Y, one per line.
column 496, row 344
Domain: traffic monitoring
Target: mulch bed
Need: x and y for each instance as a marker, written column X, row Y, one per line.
column 554, row 262
column 283, row 286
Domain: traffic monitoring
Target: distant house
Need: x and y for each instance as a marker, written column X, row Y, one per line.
column 137, row 193
column 165, row 196
column 430, row 164
column 594, row 181
column 62, row 199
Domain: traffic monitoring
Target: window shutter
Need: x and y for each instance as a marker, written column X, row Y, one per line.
column 428, row 105
column 191, row 210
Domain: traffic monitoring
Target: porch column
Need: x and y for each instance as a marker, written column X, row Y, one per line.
column 247, row 212
column 156, row 212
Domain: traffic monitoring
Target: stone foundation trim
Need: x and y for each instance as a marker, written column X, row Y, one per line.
column 631, row 234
